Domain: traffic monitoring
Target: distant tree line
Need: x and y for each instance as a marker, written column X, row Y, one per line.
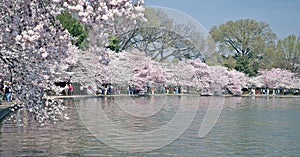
column 245, row 45
column 248, row 45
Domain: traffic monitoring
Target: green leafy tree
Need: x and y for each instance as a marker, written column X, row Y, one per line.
column 75, row 29
column 274, row 59
column 289, row 49
column 243, row 37
column 246, row 40
column 246, row 65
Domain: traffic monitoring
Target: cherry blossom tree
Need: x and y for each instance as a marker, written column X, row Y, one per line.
column 221, row 78
column 274, row 78
column 92, row 70
column 148, row 73
column 202, row 76
column 295, row 82
column 191, row 73
column 236, row 81
column 103, row 18
column 218, row 79
column 136, row 68
column 181, row 73
column 35, row 51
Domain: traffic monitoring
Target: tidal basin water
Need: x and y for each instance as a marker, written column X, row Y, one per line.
column 247, row 126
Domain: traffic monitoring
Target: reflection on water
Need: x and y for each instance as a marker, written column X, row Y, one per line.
column 247, row 127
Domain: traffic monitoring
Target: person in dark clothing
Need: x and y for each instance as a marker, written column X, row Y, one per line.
column 7, row 91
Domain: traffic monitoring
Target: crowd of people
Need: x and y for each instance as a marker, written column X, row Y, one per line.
column 108, row 89
column 164, row 89
column 273, row 91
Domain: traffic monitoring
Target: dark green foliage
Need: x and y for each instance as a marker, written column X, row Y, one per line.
column 114, row 43
column 75, row 29
column 246, row 65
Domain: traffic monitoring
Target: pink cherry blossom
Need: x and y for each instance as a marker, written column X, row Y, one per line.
column 236, row 81
column 274, row 78
column 137, row 69
column 35, row 52
column 192, row 73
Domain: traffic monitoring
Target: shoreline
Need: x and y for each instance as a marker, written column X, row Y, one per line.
column 4, row 108
column 122, row 95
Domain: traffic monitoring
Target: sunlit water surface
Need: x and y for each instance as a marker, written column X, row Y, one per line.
column 247, row 127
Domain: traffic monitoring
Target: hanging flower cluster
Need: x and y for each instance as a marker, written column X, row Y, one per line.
column 35, row 51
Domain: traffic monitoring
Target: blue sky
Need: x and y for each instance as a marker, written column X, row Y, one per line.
column 282, row 15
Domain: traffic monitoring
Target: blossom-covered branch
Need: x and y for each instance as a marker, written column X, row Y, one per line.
column 35, row 51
